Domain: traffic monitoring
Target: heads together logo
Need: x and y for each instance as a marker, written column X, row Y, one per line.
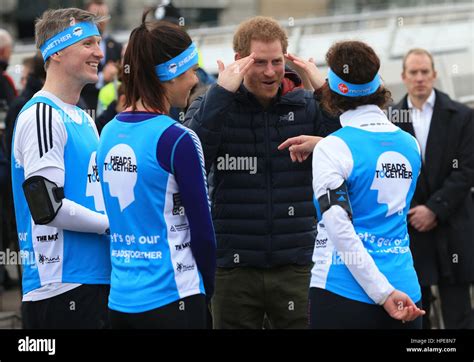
column 120, row 172
column 77, row 31
column 392, row 179
column 172, row 68
column 93, row 186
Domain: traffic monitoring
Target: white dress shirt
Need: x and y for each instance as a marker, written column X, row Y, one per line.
column 422, row 120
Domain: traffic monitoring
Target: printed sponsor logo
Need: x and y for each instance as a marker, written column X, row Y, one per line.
column 77, row 31
column 178, row 208
column 56, row 42
column 182, row 268
column 321, row 243
column 43, row 259
column 47, row 238
column 135, row 254
column 290, row 117
column 121, row 173
column 343, row 88
column 188, row 58
column 183, row 246
column 394, row 170
column 120, row 164
column 178, row 228
column 172, row 68
column 393, row 176
column 93, row 185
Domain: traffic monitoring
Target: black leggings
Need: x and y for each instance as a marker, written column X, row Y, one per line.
column 186, row 313
column 331, row 311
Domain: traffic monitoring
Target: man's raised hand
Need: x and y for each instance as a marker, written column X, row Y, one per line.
column 231, row 77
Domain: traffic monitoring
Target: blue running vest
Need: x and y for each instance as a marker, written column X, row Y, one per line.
column 152, row 261
column 62, row 256
column 381, row 186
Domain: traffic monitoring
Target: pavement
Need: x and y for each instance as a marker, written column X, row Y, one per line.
column 10, row 303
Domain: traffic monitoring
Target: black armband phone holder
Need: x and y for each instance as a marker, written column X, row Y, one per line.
column 339, row 196
column 44, row 199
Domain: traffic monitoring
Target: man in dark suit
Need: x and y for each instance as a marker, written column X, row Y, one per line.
column 441, row 217
column 108, row 67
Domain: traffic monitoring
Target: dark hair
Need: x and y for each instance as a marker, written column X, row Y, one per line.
column 37, row 68
column 355, row 62
column 150, row 44
column 35, row 65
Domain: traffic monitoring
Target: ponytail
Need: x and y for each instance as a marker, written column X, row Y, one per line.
column 150, row 44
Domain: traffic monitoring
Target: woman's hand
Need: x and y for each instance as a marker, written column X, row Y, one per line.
column 307, row 70
column 399, row 306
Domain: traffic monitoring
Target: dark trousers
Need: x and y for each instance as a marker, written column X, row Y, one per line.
column 186, row 313
column 455, row 305
column 244, row 296
column 84, row 307
column 331, row 311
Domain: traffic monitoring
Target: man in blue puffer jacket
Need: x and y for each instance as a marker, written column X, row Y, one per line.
column 262, row 206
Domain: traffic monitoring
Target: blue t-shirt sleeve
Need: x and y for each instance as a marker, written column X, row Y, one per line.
column 179, row 152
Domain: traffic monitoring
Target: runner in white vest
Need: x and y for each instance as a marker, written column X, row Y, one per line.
column 364, row 177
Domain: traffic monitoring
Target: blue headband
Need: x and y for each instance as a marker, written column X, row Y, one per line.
column 178, row 65
column 347, row 89
column 68, row 37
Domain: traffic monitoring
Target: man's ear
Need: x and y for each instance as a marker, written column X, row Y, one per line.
column 56, row 56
